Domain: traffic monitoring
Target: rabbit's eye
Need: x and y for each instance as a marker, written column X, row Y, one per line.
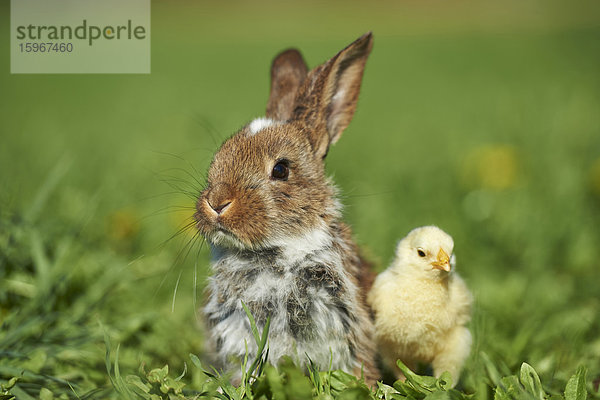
column 420, row 252
column 280, row 171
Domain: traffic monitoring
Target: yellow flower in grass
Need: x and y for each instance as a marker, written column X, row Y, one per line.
column 123, row 225
column 493, row 167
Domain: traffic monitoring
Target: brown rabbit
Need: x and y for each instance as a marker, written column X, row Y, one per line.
column 274, row 224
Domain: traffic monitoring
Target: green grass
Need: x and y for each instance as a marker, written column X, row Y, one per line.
column 480, row 119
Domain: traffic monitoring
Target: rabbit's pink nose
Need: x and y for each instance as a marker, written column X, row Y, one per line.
column 221, row 208
column 219, row 198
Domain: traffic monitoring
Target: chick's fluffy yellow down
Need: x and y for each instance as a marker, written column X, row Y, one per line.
column 416, row 317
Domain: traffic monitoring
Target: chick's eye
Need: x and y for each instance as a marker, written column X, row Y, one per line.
column 281, row 171
column 420, row 252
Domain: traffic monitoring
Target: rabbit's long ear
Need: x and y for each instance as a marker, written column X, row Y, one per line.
column 327, row 99
column 288, row 71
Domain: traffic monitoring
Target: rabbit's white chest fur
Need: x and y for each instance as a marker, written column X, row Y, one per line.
column 301, row 285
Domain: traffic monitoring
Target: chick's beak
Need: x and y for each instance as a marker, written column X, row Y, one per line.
column 442, row 262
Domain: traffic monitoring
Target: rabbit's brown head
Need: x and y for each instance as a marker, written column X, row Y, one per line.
column 267, row 183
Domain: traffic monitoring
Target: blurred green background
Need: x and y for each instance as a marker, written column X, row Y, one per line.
column 480, row 117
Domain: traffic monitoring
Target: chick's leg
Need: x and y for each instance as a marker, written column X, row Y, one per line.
column 453, row 353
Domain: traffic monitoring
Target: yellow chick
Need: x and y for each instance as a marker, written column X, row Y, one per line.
column 421, row 305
